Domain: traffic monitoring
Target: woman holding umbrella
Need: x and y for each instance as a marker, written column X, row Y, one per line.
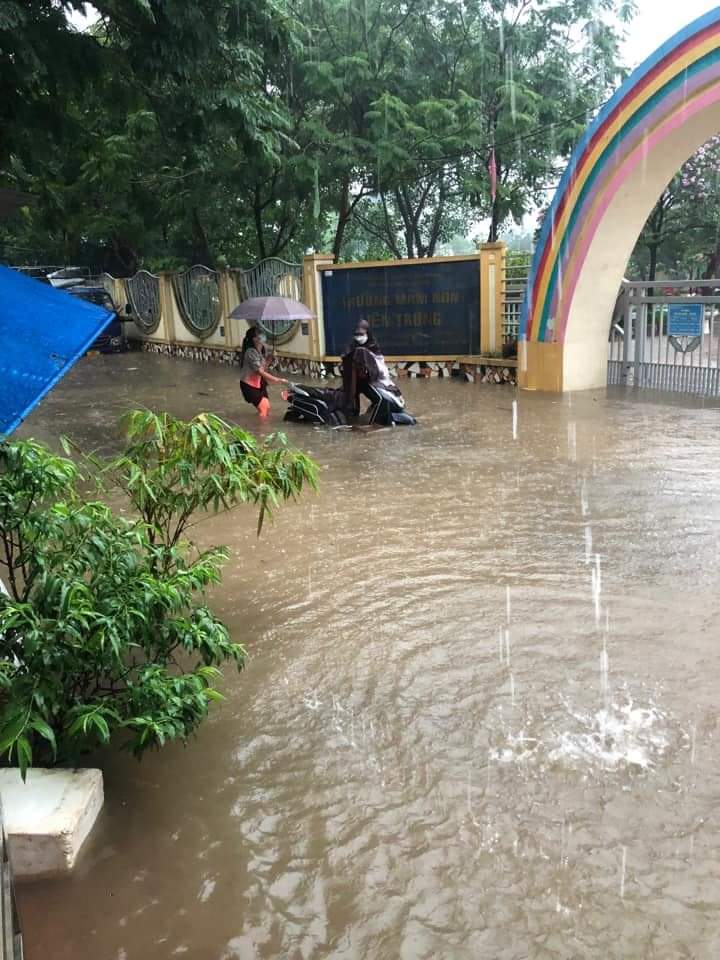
column 254, row 378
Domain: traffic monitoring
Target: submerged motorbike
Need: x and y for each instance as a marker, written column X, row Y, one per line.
column 324, row 405
column 328, row 405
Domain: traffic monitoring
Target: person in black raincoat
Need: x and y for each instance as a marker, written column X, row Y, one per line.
column 365, row 373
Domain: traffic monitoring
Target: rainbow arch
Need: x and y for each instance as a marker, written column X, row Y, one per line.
column 661, row 100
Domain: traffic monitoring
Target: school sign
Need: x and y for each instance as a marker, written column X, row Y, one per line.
column 435, row 308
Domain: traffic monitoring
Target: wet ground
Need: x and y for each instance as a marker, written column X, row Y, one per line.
column 480, row 719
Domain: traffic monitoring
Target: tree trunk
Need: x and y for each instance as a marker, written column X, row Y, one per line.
column 656, row 223
column 402, row 206
column 711, row 270
column 258, row 217
column 200, row 246
column 652, row 266
column 713, row 264
column 120, row 259
column 284, row 237
column 495, row 218
column 343, row 218
column 391, row 236
column 437, row 220
column 494, row 222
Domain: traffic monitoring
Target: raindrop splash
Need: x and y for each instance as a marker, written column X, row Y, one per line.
column 622, row 873
column 693, row 735
column 604, row 675
column 597, row 588
column 511, row 87
column 514, row 420
column 572, row 441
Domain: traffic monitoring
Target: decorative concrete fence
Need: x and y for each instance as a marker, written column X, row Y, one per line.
column 186, row 314
column 440, row 316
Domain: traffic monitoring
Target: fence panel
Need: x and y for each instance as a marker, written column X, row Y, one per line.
column 144, row 294
column 271, row 277
column 197, row 292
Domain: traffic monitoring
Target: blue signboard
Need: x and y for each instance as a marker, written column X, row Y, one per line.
column 43, row 332
column 424, row 309
column 685, row 319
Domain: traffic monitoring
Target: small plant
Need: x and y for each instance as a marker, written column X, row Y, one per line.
column 104, row 629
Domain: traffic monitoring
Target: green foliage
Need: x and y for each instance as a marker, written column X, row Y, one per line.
column 226, row 130
column 682, row 235
column 140, row 127
column 172, row 469
column 105, row 630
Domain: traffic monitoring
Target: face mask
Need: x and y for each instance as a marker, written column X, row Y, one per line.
column 361, row 338
column 262, row 339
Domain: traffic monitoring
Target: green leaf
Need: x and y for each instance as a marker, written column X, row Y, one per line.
column 24, row 754
column 45, row 731
column 102, row 726
column 12, row 728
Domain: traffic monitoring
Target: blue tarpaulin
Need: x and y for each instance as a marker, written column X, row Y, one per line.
column 43, row 332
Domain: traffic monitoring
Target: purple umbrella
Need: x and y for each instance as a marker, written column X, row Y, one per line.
column 275, row 314
column 271, row 310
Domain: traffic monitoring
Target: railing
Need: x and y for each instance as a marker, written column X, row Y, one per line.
column 645, row 351
column 11, row 943
column 517, row 270
column 197, row 294
column 143, row 292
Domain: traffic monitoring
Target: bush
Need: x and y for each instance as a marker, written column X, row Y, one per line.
column 104, row 629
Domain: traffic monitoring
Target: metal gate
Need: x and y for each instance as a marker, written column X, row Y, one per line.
column 666, row 336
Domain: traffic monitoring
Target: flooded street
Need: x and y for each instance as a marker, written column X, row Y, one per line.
column 480, row 715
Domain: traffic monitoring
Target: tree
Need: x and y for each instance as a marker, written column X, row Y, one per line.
column 384, row 108
column 44, row 66
column 350, row 53
column 541, row 69
column 225, row 130
column 104, row 630
column 682, row 234
column 141, row 161
column 413, row 98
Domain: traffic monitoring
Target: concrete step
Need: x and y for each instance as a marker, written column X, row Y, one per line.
column 48, row 818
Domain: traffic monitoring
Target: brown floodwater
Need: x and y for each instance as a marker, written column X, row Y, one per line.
column 480, row 716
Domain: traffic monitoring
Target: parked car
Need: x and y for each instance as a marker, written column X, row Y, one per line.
column 112, row 339
column 67, row 277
